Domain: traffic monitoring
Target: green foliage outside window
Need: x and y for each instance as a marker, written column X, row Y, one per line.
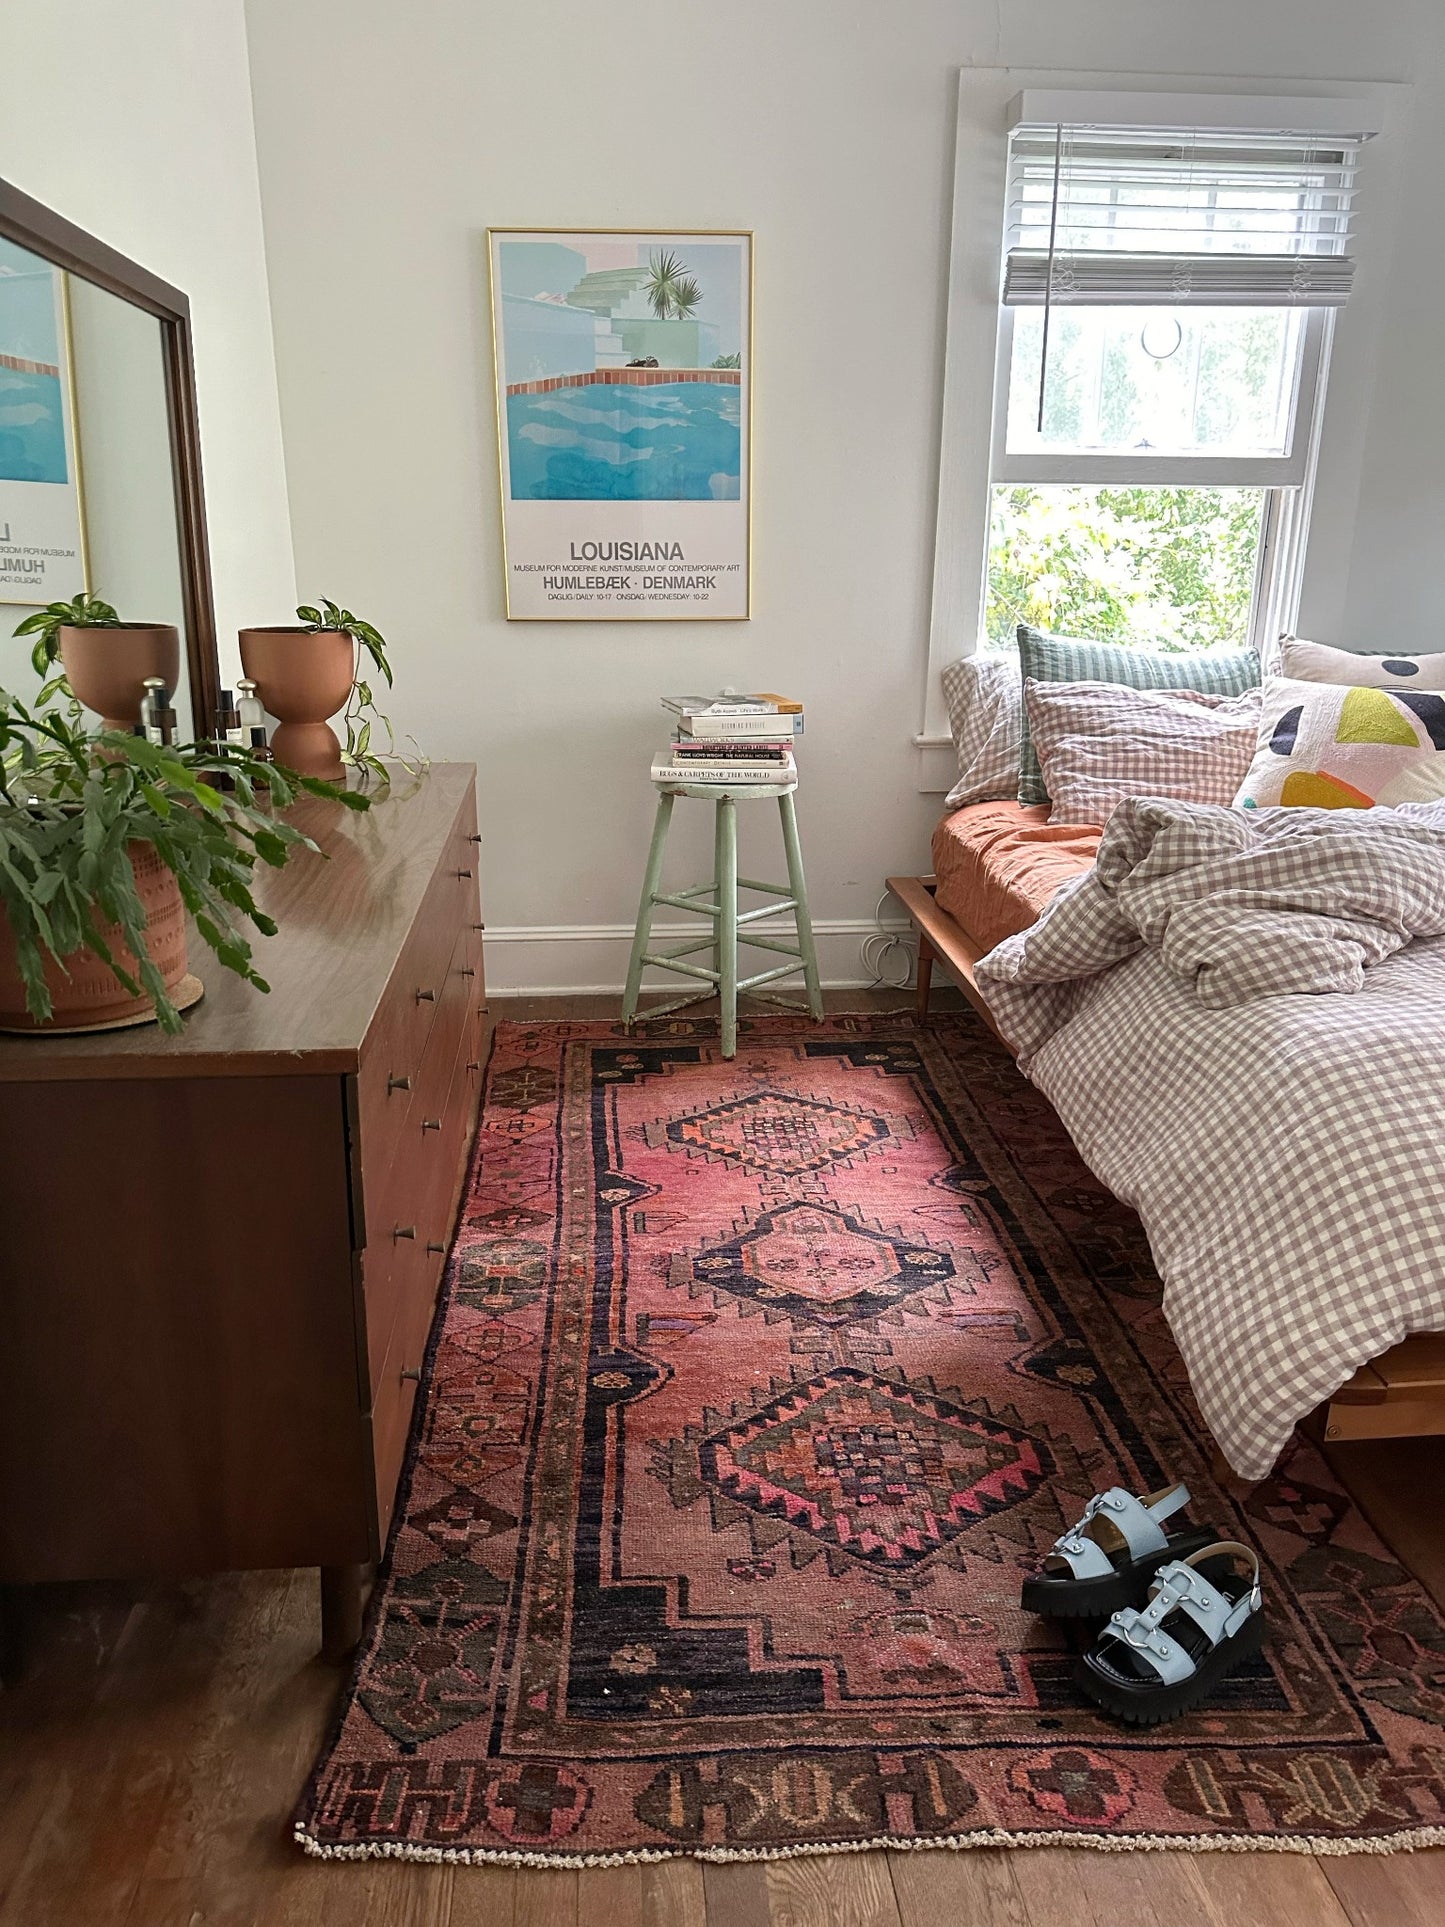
column 1163, row 568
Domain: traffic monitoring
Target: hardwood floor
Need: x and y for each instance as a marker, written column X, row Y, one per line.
column 157, row 1737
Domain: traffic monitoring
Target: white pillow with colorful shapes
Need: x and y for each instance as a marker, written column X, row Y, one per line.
column 1332, row 747
column 1318, row 662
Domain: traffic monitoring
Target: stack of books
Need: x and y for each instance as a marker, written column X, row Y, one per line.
column 731, row 739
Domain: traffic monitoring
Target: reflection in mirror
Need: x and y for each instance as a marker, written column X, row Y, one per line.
column 87, row 497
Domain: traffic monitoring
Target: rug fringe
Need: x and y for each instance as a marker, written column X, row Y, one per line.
column 1412, row 1840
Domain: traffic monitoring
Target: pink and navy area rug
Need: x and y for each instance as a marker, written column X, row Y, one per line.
column 755, row 1388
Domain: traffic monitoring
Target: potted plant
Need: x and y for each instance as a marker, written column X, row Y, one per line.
column 106, row 842
column 304, row 673
column 106, row 661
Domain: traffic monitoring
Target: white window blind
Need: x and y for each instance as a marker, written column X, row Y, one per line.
column 1134, row 216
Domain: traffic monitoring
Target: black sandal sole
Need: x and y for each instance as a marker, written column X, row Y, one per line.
column 1097, row 1598
column 1147, row 1705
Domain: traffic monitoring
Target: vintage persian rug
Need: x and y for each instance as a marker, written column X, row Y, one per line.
column 754, row 1389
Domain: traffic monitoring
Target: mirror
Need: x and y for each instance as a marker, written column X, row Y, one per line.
column 99, row 460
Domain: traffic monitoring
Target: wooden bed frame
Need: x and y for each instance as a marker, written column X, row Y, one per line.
column 1400, row 1395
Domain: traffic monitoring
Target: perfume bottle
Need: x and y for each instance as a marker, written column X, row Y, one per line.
column 224, row 734
column 250, row 715
column 227, row 732
column 158, row 717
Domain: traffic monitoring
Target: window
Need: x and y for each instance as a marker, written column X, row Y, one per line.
column 1163, row 344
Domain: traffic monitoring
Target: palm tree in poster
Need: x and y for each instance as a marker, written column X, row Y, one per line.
column 673, row 294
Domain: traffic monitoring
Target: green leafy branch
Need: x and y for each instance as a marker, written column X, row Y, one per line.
column 363, row 720
column 71, row 807
column 84, row 612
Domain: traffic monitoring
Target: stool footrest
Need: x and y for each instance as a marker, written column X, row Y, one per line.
column 767, row 976
column 775, row 943
column 679, row 901
column 665, row 961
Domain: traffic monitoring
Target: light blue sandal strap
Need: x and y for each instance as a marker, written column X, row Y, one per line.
column 1084, row 1547
column 1180, row 1587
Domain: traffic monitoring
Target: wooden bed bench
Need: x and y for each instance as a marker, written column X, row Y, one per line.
column 1400, row 1395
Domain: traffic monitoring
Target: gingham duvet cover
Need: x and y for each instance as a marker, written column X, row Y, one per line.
column 1241, row 1021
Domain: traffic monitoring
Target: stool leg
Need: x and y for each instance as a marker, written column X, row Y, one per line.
column 717, row 884
column 650, row 881
column 801, row 917
column 727, row 922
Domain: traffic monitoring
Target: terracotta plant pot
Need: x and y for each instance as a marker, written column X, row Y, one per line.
column 107, row 667
column 87, row 994
column 303, row 676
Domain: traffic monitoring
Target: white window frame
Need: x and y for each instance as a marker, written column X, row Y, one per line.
column 1173, row 470
column 1304, row 583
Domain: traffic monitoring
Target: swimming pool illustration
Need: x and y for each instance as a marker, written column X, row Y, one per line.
column 655, row 441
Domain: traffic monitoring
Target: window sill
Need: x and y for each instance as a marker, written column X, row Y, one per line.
column 935, row 765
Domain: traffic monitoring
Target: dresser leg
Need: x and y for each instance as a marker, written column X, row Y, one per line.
column 341, row 1594
column 12, row 1638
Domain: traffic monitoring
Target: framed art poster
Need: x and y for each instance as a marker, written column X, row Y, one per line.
column 624, row 422
column 42, row 523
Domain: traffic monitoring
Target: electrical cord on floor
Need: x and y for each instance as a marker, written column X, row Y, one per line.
column 880, row 946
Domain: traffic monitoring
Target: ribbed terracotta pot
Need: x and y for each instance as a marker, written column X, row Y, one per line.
column 87, row 994
column 107, row 668
column 303, row 676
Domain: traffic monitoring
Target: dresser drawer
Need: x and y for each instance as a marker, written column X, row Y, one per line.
column 391, row 1415
column 398, row 1144
column 411, row 1183
column 399, row 1040
column 387, row 1080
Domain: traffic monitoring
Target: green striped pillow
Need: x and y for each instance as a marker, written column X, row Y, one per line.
column 1214, row 672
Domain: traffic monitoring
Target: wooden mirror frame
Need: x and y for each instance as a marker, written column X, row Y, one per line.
column 32, row 225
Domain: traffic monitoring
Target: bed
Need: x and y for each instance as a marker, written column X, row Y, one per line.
column 997, row 867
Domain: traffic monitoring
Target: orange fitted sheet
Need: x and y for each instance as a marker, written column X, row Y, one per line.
column 999, row 865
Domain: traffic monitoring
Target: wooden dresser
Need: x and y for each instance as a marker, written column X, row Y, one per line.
column 220, row 1252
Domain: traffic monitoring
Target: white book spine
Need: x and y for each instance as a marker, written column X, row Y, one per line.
column 723, row 773
column 742, row 729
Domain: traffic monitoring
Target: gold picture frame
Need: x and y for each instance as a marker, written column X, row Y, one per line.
column 624, row 443
column 17, row 531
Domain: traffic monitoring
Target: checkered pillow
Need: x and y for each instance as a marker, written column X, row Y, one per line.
column 1214, row 672
column 1099, row 742
column 982, row 693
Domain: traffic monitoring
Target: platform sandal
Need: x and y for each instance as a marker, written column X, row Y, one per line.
column 1109, row 1557
column 1203, row 1617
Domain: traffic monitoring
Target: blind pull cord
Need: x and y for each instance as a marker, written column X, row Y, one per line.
column 1049, row 272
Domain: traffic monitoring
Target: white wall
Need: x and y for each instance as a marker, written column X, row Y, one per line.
column 133, row 119
column 828, row 127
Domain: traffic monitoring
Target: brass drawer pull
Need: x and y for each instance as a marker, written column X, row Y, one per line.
column 465, row 970
column 404, row 1231
column 426, row 996
column 438, row 1249
column 463, row 873
column 475, row 837
column 397, row 1084
column 431, row 1124
column 479, row 926
column 412, row 1372
column 475, row 1065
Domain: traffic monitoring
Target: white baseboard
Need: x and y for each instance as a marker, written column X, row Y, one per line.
column 566, row 960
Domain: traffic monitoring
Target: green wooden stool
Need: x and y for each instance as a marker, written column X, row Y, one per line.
column 721, row 977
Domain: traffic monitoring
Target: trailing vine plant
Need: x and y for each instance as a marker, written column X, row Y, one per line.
column 362, row 716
